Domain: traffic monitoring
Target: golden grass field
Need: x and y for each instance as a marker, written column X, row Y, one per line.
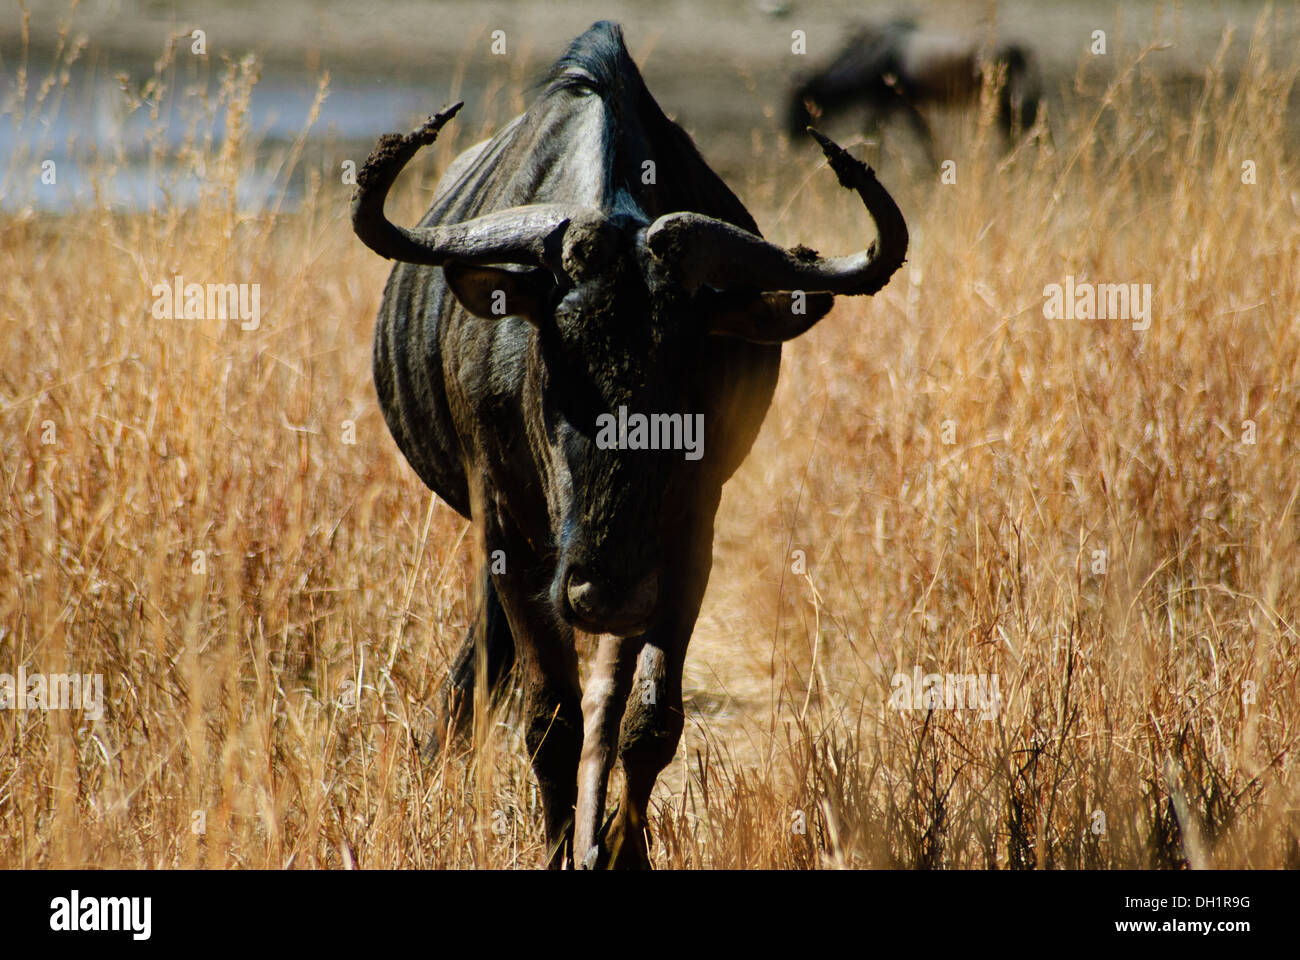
column 1151, row 713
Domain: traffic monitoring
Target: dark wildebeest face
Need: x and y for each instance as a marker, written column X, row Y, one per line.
column 616, row 335
column 616, row 345
column 621, row 308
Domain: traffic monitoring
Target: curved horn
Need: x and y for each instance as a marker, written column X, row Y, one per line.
column 524, row 235
column 705, row 250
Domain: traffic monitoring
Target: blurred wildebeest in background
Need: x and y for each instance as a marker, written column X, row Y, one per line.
column 897, row 67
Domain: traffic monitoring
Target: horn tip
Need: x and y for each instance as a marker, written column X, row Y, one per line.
column 842, row 162
column 429, row 130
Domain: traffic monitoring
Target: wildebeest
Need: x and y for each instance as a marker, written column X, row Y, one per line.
column 897, row 67
column 582, row 267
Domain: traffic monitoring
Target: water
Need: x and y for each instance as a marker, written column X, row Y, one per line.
column 95, row 139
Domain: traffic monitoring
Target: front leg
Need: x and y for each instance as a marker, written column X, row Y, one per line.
column 603, row 703
column 547, row 665
column 654, row 718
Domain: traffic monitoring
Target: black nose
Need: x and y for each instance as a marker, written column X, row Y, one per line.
column 599, row 606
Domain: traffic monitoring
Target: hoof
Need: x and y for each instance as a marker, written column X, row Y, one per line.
column 597, row 857
column 629, row 845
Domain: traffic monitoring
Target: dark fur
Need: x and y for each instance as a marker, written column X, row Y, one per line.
column 487, row 410
column 869, row 72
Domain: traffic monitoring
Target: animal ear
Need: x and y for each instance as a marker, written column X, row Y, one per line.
column 770, row 317
column 497, row 292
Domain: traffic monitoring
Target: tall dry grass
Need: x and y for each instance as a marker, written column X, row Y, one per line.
column 1150, row 714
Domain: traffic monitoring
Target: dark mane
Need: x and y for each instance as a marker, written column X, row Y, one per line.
column 598, row 61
